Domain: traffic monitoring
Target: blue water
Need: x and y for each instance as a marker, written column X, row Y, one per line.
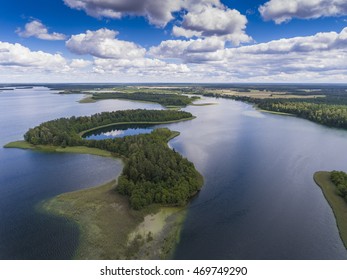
column 259, row 200
column 118, row 131
column 27, row 178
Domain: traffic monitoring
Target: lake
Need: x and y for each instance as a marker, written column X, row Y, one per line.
column 118, row 131
column 259, row 200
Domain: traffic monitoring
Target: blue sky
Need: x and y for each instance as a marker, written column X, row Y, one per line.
column 173, row 41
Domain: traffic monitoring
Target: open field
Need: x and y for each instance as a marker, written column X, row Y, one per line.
column 260, row 94
column 336, row 202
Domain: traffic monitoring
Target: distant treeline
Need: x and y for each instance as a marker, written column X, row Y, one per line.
column 164, row 99
column 329, row 111
column 339, row 178
column 153, row 173
column 328, row 114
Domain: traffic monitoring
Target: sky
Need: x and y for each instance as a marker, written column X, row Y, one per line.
column 168, row 41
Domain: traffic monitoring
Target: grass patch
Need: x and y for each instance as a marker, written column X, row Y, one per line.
column 46, row 148
column 19, row 145
column 274, row 112
column 204, row 104
column 336, row 202
column 110, row 229
column 87, row 99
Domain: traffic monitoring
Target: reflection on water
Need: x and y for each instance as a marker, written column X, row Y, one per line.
column 117, row 131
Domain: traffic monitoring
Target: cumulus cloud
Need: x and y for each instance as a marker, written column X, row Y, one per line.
column 283, row 10
column 214, row 21
column 36, row 29
column 18, row 56
column 141, row 66
column 194, row 51
column 323, row 41
column 80, row 63
column 157, row 13
column 202, row 18
column 320, row 55
column 318, row 58
column 103, row 44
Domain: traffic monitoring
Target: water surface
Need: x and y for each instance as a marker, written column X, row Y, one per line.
column 259, row 200
column 118, row 131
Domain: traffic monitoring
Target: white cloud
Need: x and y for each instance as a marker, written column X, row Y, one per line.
column 321, row 53
column 194, row 51
column 318, row 58
column 80, row 63
column 157, row 13
column 36, row 29
column 283, row 10
column 103, row 44
column 203, row 18
column 18, row 57
column 323, row 41
column 141, row 66
column 214, row 21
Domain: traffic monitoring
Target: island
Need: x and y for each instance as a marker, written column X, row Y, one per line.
column 139, row 215
column 334, row 188
column 168, row 98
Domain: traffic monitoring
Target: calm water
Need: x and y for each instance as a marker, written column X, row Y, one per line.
column 259, row 200
column 118, row 131
column 27, row 177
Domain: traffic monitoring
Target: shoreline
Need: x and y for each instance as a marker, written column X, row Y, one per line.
column 337, row 203
column 22, row 144
column 273, row 112
column 125, row 123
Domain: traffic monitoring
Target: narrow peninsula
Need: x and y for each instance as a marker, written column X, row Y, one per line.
column 139, row 216
column 334, row 188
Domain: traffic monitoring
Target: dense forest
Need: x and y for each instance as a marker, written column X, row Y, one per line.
column 153, row 173
column 329, row 111
column 65, row 131
column 339, row 178
column 164, row 99
column 328, row 114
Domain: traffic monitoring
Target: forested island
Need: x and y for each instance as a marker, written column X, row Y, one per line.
column 164, row 99
column 153, row 174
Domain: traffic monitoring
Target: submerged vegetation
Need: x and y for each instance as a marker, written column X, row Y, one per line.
column 153, row 173
column 110, row 229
